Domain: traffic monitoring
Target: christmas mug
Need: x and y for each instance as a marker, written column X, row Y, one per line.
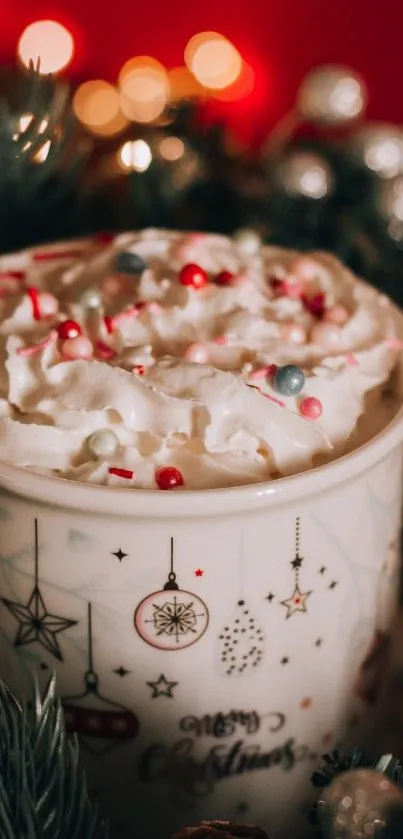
column 209, row 646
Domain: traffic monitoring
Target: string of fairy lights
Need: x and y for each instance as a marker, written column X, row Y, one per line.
column 213, row 68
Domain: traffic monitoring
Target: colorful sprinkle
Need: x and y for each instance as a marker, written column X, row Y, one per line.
column 289, row 380
column 48, row 256
column 104, row 238
column 68, row 329
column 12, row 275
column 129, row 263
column 139, row 369
column 114, row 284
column 197, row 353
column 259, row 373
column 121, row 473
column 194, row 276
column 311, row 408
column 33, row 294
column 278, row 402
column 293, row 333
column 315, row 304
column 102, row 443
column 351, row 359
column 108, row 321
column 221, row 340
column 394, row 343
column 77, row 348
column 35, row 348
column 168, row 477
column 224, row 278
column 104, row 351
column 91, row 298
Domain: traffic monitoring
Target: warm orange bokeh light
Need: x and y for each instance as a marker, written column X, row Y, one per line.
column 240, row 89
column 48, row 42
column 213, row 60
column 97, row 106
column 171, row 148
column 135, row 156
column 144, row 89
column 183, row 84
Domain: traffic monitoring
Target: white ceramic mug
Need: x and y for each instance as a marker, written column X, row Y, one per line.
column 207, row 644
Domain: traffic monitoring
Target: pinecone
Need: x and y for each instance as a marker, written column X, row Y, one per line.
column 221, row 830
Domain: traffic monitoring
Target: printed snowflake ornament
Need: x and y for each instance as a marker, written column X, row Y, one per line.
column 100, row 723
column 171, row 619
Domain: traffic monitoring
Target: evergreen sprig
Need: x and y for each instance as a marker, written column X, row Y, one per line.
column 43, row 795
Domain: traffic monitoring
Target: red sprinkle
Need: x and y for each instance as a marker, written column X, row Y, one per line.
column 194, row 276
column 104, row 238
column 109, row 324
column 121, row 473
column 12, row 275
column 139, row 369
column 167, row 477
column 270, row 370
column 48, row 256
column 221, row 340
column 311, row 407
column 104, row 351
column 280, row 287
column 33, row 293
column 315, row 304
column 68, row 329
column 224, row 278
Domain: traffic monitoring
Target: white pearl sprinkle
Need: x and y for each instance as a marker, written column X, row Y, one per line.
column 91, row 299
column 103, row 443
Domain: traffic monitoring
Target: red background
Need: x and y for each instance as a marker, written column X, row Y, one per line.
column 281, row 39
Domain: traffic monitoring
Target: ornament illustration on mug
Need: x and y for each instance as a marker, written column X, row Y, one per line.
column 36, row 624
column 171, row 619
column 241, row 640
column 100, row 723
column 297, row 601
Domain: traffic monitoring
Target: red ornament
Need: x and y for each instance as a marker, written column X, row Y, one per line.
column 315, row 304
column 121, row 473
column 33, row 294
column 167, row 477
column 311, row 408
column 68, row 329
column 224, row 278
column 194, row 276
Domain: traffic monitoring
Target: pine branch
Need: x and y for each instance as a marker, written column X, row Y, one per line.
column 42, row 793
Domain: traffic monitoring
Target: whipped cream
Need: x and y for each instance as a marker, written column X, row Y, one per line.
column 221, row 422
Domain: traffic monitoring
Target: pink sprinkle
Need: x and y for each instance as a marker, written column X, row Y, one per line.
column 104, row 351
column 352, row 360
column 121, row 473
column 33, row 294
column 311, row 407
column 221, row 340
column 394, row 343
column 273, row 399
column 108, row 321
column 154, row 307
column 34, row 348
column 48, row 256
column 259, row 373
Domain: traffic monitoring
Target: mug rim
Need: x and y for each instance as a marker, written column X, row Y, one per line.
column 184, row 504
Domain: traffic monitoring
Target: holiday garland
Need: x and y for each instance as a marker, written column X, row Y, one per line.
column 43, row 794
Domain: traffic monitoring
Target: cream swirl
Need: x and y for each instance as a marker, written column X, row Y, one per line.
column 220, row 423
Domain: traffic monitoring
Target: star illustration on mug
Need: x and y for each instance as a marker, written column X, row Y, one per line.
column 297, row 601
column 162, row 687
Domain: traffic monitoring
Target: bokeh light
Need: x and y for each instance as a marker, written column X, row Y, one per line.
column 42, row 153
column 135, row 156
column 240, row 89
column 213, row 60
column 183, row 84
column 144, row 89
column 48, row 42
column 171, row 148
column 97, row 105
